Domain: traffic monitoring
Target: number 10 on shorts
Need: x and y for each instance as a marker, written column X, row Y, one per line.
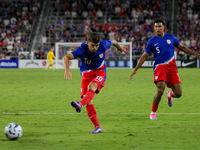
column 99, row 78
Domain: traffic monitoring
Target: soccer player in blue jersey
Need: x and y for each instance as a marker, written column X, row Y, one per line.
column 93, row 70
column 162, row 46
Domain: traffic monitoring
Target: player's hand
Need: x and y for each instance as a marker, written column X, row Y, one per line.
column 134, row 72
column 68, row 75
column 197, row 55
column 121, row 49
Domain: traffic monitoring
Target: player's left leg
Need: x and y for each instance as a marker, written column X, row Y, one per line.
column 176, row 90
column 53, row 67
column 92, row 114
column 175, row 84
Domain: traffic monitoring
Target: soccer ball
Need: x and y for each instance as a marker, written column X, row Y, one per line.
column 13, row 131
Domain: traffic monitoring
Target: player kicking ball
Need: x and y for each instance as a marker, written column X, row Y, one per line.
column 93, row 70
column 162, row 46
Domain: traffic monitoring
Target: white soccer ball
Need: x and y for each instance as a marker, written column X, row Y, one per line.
column 13, row 131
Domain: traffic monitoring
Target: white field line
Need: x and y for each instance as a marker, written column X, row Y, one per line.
column 11, row 113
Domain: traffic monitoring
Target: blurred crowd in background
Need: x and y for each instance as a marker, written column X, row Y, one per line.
column 122, row 20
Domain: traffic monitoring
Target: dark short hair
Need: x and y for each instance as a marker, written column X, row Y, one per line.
column 93, row 37
column 159, row 20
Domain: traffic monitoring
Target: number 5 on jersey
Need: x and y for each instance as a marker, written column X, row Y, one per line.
column 157, row 49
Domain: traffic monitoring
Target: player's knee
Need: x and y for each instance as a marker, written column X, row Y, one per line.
column 179, row 94
column 93, row 86
column 160, row 91
column 90, row 103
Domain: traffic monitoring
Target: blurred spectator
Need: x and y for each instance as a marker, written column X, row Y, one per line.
column 10, row 44
column 99, row 14
column 19, row 48
column 61, row 53
column 85, row 14
column 42, row 54
column 94, row 13
column 74, row 13
column 67, row 14
column 60, row 22
column 44, row 38
column 29, row 56
column 36, row 54
column 13, row 55
column 3, row 56
column 22, row 56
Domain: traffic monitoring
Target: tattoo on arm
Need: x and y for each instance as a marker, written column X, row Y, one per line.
column 115, row 44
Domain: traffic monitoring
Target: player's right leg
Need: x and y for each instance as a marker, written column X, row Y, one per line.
column 156, row 100
column 84, row 86
column 92, row 87
column 47, row 67
column 77, row 105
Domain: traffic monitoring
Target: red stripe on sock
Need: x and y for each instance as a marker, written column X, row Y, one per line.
column 154, row 107
column 88, row 97
column 92, row 114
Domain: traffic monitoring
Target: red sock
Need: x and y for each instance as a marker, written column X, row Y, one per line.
column 88, row 97
column 171, row 94
column 92, row 114
column 154, row 107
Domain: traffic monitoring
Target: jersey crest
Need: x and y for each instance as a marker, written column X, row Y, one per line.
column 101, row 55
column 169, row 41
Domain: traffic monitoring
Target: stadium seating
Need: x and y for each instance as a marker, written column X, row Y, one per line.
column 17, row 21
column 71, row 20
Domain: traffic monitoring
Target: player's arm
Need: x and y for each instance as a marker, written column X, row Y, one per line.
column 187, row 50
column 54, row 56
column 140, row 62
column 120, row 48
column 48, row 55
column 66, row 58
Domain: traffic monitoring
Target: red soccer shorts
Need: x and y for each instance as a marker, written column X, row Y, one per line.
column 169, row 75
column 97, row 76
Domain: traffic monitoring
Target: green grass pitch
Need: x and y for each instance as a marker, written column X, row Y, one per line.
column 39, row 101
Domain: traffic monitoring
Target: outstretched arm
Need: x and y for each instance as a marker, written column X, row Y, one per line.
column 187, row 50
column 120, row 48
column 66, row 58
column 141, row 61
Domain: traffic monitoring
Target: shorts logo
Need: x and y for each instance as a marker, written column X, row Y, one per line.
column 101, row 55
column 169, row 41
column 156, row 77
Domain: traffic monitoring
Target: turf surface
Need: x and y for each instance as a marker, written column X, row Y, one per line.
column 40, row 102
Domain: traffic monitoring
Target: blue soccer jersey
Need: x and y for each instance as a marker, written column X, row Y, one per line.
column 162, row 48
column 91, row 61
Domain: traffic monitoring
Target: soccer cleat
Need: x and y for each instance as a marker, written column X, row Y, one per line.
column 169, row 99
column 77, row 106
column 153, row 117
column 97, row 130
